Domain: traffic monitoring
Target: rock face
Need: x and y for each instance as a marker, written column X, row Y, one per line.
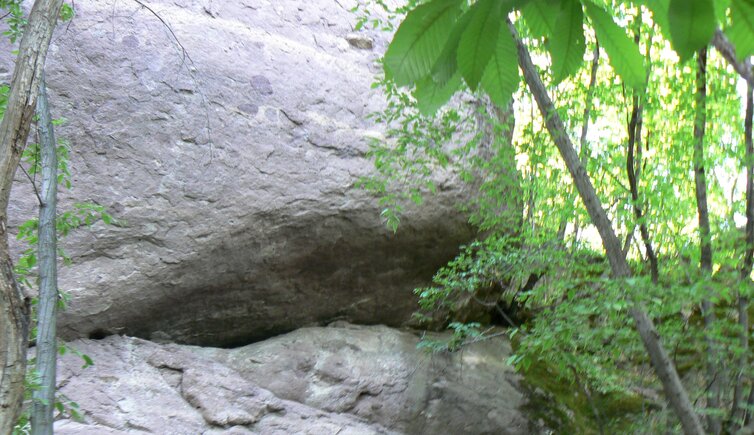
column 231, row 160
column 360, row 380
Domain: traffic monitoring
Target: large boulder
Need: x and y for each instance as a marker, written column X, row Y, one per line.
column 227, row 137
column 136, row 386
column 363, row 379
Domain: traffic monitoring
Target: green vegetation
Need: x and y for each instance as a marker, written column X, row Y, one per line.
column 662, row 240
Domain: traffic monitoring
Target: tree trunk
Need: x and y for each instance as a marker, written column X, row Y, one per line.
column 14, row 129
column 743, row 301
column 700, row 178
column 705, row 241
column 662, row 364
column 634, row 142
column 44, row 397
column 633, row 163
column 583, row 143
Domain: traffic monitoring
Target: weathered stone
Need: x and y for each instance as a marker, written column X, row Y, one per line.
column 232, row 166
column 338, row 379
column 378, row 374
column 127, row 391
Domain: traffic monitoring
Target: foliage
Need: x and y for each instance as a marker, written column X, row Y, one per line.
column 16, row 20
column 416, row 154
column 14, row 17
column 425, row 52
column 378, row 14
column 546, row 271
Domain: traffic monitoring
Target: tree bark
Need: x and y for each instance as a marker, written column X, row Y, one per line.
column 736, row 414
column 705, row 240
column 726, row 49
column 44, row 396
column 700, row 178
column 662, row 364
column 634, row 142
column 14, row 130
column 635, row 126
column 583, row 143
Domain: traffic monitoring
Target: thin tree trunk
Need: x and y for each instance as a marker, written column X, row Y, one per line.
column 44, row 397
column 663, row 365
column 583, row 144
column 635, row 125
column 629, row 240
column 634, row 142
column 700, row 178
column 576, row 230
column 14, row 130
column 743, row 301
column 705, row 241
column 530, row 203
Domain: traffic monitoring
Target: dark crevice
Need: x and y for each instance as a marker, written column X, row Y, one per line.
column 98, row 334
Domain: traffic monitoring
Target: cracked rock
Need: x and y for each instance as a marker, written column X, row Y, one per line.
column 342, row 379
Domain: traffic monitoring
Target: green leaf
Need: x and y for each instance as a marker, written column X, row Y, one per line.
column 541, row 16
column 741, row 31
column 501, row 79
column 692, row 24
column 430, row 95
column 721, row 9
column 567, row 44
column 624, row 55
column 446, row 66
column 479, row 40
column 419, row 41
column 87, row 361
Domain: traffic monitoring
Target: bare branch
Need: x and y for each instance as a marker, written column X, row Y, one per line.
column 33, row 184
column 726, row 49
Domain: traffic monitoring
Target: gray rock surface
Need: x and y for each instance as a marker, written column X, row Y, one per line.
column 232, row 165
column 137, row 386
column 359, row 379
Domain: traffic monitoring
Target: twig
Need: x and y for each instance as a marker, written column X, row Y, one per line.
column 33, row 184
column 497, row 307
column 709, row 385
column 191, row 68
column 483, row 338
column 184, row 53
